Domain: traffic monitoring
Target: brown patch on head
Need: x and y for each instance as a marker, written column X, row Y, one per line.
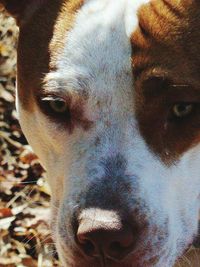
column 64, row 24
column 166, row 67
column 41, row 40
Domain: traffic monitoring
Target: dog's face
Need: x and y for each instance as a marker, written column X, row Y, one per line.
column 108, row 97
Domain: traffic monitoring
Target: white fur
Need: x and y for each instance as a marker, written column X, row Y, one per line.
column 102, row 61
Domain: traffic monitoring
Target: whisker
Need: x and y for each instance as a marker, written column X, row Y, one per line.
column 178, row 262
column 186, row 260
column 54, row 206
column 29, row 239
column 50, row 247
column 197, row 257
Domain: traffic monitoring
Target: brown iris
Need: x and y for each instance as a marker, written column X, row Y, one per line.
column 181, row 110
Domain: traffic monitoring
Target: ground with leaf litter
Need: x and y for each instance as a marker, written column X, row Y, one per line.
column 24, row 195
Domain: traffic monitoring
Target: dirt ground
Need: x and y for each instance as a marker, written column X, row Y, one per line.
column 25, row 238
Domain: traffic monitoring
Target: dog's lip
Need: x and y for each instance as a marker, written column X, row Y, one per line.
column 119, row 265
column 133, row 261
column 132, row 264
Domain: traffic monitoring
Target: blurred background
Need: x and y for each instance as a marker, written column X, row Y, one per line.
column 24, row 195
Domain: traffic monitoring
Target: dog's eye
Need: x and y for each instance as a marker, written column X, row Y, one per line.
column 181, row 110
column 58, row 106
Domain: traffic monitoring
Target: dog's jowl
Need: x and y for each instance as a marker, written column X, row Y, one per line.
column 108, row 96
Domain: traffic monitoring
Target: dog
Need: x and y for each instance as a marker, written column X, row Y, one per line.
column 108, row 97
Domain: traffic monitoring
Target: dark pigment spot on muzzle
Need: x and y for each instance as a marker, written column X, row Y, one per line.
column 113, row 190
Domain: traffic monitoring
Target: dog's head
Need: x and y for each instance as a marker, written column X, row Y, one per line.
column 108, row 96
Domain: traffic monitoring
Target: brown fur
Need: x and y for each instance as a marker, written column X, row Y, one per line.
column 63, row 25
column 21, row 10
column 39, row 37
column 166, row 63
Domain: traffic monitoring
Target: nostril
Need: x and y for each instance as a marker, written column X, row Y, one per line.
column 116, row 247
column 88, row 247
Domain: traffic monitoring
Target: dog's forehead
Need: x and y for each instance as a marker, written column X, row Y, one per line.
column 92, row 37
column 86, row 37
column 98, row 45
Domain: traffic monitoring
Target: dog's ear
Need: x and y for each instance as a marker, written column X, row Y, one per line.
column 21, row 9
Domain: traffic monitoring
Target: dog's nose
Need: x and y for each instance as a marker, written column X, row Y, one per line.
column 103, row 234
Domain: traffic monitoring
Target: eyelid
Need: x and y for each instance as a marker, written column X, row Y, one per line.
column 52, row 98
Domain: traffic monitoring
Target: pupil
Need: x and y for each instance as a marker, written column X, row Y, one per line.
column 59, row 104
column 182, row 108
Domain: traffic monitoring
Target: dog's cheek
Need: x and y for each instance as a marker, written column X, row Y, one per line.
column 32, row 133
column 47, row 144
column 171, row 193
column 184, row 209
